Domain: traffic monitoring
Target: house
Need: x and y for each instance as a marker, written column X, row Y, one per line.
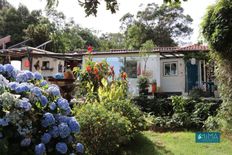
column 166, row 65
column 34, row 59
column 175, row 69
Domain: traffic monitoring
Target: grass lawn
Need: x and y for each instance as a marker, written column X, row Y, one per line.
column 175, row 143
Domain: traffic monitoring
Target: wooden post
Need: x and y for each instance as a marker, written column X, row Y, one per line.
column 30, row 59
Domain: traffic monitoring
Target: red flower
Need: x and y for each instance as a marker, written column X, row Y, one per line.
column 88, row 69
column 95, row 70
column 124, row 75
column 90, row 49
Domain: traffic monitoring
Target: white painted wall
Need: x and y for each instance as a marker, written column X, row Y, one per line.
column 53, row 64
column 153, row 66
column 174, row 83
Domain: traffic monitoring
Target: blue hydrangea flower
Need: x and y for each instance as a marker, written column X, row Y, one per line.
column 22, row 87
column 80, row 148
column 13, row 85
column 43, row 83
column 62, row 118
column 48, row 120
column 52, row 106
column 61, row 148
column 25, row 104
column 68, row 111
column 4, row 122
column 64, row 130
column 45, row 138
column 43, row 100
column 29, row 75
column 8, row 68
column 63, row 104
column 54, row 131
column 74, row 125
column 53, row 90
column 1, row 68
column 36, row 91
column 25, row 142
column 21, row 77
column 38, row 76
column 40, row 149
column 14, row 73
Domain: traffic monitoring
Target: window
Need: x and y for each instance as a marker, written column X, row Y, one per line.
column 170, row 69
column 46, row 65
column 131, row 68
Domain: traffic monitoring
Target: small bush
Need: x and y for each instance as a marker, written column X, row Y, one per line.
column 196, row 93
column 211, row 124
column 130, row 111
column 103, row 130
column 186, row 114
column 156, row 106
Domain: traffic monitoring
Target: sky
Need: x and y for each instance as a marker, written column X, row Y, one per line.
column 107, row 22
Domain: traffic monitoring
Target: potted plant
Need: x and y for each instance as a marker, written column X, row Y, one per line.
column 153, row 87
column 143, row 84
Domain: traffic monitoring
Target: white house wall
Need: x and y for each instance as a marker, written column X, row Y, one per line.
column 175, row 83
column 53, row 64
column 153, row 66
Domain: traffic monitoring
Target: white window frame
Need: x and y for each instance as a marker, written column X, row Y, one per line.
column 170, row 63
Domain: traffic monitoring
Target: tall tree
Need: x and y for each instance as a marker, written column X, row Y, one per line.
column 89, row 38
column 165, row 25
column 14, row 21
column 40, row 32
column 111, row 41
column 4, row 4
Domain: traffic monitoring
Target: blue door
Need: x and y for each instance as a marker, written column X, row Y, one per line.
column 192, row 76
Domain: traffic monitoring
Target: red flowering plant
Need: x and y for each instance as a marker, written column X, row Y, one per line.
column 92, row 76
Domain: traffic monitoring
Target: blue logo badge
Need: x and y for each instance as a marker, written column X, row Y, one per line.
column 207, row 137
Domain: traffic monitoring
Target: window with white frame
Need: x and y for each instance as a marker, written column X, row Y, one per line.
column 170, row 68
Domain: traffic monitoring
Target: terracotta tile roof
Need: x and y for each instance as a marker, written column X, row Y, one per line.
column 195, row 47
column 191, row 48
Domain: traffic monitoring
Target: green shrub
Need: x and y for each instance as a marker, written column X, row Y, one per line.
column 188, row 114
column 211, row 124
column 196, row 93
column 217, row 31
column 156, row 106
column 103, row 130
column 180, row 104
column 127, row 109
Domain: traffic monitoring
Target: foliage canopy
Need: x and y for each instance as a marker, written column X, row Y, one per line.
column 91, row 6
column 217, row 30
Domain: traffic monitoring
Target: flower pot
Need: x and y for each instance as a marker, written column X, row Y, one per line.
column 153, row 88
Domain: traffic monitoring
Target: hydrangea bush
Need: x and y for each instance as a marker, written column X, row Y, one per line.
column 34, row 118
